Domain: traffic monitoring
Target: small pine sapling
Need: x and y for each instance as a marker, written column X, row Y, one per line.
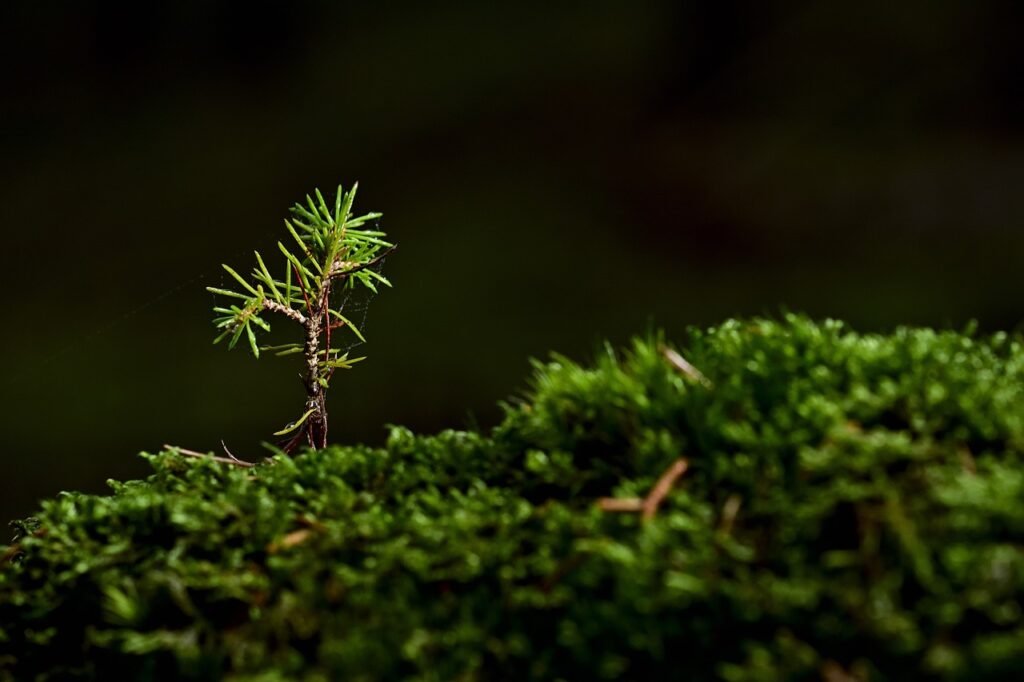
column 334, row 253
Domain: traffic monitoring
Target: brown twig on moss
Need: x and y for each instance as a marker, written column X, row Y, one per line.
column 621, row 504
column 683, row 366
column 730, row 510
column 208, row 455
column 649, row 504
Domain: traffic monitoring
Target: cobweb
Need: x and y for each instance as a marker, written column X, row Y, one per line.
column 354, row 303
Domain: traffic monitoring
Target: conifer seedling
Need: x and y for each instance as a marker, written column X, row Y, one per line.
column 331, row 254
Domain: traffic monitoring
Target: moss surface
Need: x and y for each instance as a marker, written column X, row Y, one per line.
column 854, row 506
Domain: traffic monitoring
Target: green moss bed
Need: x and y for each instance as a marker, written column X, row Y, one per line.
column 853, row 510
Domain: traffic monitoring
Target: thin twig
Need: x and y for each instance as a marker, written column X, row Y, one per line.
column 287, row 311
column 232, row 456
column 296, row 537
column 621, row 504
column 729, row 511
column 206, row 455
column 684, row 366
column 663, row 486
column 648, row 505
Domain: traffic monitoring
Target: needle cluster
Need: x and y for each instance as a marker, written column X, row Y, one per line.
column 331, row 252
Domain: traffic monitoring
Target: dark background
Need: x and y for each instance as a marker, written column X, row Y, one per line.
column 556, row 175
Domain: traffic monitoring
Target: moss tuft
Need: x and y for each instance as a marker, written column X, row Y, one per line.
column 853, row 506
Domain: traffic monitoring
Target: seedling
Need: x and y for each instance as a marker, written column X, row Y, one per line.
column 332, row 253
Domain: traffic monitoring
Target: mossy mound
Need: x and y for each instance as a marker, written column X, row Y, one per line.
column 854, row 505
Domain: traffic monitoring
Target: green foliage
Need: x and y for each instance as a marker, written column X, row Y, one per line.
column 852, row 507
column 335, row 255
column 331, row 245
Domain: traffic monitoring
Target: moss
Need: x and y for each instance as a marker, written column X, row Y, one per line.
column 852, row 506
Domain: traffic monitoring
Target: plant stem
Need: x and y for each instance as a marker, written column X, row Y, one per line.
column 316, row 424
column 317, row 322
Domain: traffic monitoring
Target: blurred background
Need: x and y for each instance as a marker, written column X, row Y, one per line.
column 557, row 174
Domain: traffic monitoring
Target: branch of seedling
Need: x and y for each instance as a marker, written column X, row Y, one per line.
column 335, row 254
